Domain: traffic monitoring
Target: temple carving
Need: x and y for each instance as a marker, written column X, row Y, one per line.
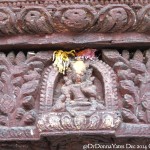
column 47, row 17
column 83, row 102
column 73, row 73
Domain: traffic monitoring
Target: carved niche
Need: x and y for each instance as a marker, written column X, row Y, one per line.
column 86, row 101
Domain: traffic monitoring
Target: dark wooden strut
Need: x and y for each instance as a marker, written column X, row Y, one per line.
column 107, row 103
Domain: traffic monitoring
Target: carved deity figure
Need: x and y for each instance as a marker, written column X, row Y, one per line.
column 78, row 94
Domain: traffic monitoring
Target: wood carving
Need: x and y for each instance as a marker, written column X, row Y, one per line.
column 46, row 17
column 19, row 84
column 133, row 76
column 80, row 105
column 108, row 95
column 106, row 98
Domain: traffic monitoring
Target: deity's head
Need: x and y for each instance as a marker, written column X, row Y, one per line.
column 79, row 68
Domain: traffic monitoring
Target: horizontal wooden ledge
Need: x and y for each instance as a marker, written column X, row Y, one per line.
column 80, row 132
column 95, row 40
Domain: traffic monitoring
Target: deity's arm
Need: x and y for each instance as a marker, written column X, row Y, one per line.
column 89, row 90
column 66, row 91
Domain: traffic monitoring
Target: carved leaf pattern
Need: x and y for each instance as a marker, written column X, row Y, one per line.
column 134, row 80
column 36, row 64
column 30, row 87
column 67, row 122
column 3, row 68
column 137, row 67
column 30, row 117
column 138, row 55
column 141, row 116
column 129, row 116
column 127, row 86
column 112, row 56
column 32, row 76
column 129, row 101
column 4, row 77
column 21, row 79
column 125, row 54
column 147, row 56
column 11, row 57
column 28, row 102
column 54, row 122
column 7, row 104
column 18, row 81
column 20, row 58
column 126, row 75
column 1, row 85
column 94, row 121
column 20, row 113
column 3, row 120
column 2, row 54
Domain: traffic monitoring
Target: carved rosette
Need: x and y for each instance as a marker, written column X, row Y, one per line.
column 64, row 121
column 74, row 18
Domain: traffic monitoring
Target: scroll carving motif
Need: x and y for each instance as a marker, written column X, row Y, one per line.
column 144, row 19
column 35, row 20
column 114, row 18
column 75, row 18
column 7, row 21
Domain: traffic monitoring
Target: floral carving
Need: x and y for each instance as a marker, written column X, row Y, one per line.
column 109, row 95
column 116, row 18
column 19, row 81
column 37, row 20
column 7, row 104
column 75, row 18
column 47, row 19
column 133, row 76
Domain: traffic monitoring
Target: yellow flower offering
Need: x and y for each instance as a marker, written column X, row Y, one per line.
column 61, row 59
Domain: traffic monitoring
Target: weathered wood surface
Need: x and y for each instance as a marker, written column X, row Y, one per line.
column 33, row 104
column 73, row 41
column 47, row 17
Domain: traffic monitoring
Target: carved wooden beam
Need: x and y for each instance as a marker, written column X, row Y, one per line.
column 110, row 98
column 47, row 17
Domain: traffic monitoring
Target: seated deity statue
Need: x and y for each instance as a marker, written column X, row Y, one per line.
column 78, row 94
